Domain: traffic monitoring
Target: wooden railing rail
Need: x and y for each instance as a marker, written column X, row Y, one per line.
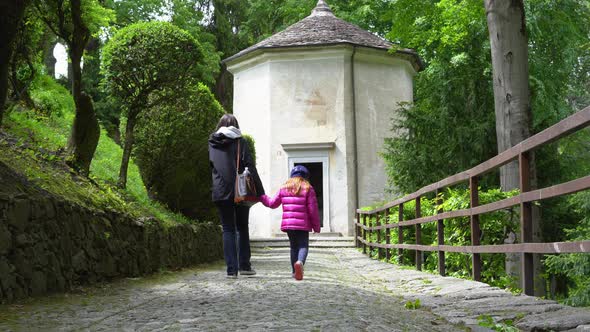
column 520, row 152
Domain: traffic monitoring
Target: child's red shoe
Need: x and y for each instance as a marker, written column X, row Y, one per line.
column 298, row 270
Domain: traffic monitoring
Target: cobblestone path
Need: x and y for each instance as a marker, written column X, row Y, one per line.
column 332, row 297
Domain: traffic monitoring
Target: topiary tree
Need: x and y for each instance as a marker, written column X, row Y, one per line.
column 171, row 151
column 142, row 61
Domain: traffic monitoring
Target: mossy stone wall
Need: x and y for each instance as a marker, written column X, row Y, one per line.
column 49, row 245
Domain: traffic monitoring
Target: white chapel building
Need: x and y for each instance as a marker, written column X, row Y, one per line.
column 321, row 93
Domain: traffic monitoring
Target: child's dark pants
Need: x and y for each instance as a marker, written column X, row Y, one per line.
column 299, row 242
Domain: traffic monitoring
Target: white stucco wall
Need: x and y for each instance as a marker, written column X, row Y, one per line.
column 252, row 109
column 299, row 96
column 292, row 98
column 381, row 82
column 309, row 100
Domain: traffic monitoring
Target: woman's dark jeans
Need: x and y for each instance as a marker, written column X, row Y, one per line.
column 236, row 239
column 299, row 242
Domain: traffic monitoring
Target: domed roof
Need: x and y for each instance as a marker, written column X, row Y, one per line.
column 323, row 28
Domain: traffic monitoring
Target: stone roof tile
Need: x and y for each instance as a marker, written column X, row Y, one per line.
column 323, row 28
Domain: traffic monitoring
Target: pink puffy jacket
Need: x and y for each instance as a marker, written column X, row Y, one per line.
column 300, row 212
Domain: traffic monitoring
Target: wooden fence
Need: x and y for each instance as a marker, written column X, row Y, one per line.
column 525, row 199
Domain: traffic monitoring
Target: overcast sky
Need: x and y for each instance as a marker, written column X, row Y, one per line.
column 60, row 54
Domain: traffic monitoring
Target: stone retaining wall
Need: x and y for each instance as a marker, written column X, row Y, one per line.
column 48, row 245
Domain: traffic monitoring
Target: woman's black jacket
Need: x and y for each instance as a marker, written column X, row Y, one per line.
column 222, row 158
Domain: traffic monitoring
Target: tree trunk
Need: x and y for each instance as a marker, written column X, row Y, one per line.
column 129, row 139
column 85, row 130
column 85, row 135
column 511, row 74
column 224, row 89
column 69, row 77
column 91, row 70
column 48, row 44
column 12, row 13
column 509, row 49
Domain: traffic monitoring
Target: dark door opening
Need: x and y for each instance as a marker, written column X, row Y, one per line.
column 316, row 179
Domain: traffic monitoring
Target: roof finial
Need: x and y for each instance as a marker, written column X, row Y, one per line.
column 322, row 9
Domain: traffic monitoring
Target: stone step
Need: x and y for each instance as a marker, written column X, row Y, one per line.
column 314, row 242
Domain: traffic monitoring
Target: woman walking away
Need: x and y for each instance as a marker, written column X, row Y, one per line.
column 300, row 215
column 223, row 149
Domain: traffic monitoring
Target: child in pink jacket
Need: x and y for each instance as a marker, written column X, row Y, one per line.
column 300, row 215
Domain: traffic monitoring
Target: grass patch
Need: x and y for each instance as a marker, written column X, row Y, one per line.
column 413, row 305
column 35, row 145
column 503, row 326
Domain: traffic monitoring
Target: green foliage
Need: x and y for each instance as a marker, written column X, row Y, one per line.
column 412, row 305
column 96, row 16
column 189, row 17
column 504, row 326
column 146, row 65
column 451, row 126
column 575, row 267
column 57, row 14
column 49, row 125
column 147, row 57
column 264, row 18
column 131, row 11
column 457, row 232
column 49, row 97
column 41, row 139
column 251, row 146
column 171, row 150
column 26, row 54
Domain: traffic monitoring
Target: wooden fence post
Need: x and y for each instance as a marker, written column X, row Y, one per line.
column 387, row 236
column 475, row 230
column 526, row 225
column 357, row 232
column 400, row 235
column 440, row 230
column 364, row 234
column 418, row 235
column 378, row 223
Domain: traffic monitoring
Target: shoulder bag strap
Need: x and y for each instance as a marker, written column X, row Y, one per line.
column 238, row 158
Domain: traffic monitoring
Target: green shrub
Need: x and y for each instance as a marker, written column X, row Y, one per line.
column 575, row 267
column 251, row 145
column 457, row 233
column 171, row 150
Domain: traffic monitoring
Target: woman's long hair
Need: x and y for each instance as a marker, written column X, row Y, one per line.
column 227, row 120
column 295, row 184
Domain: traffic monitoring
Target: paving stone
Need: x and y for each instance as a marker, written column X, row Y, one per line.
column 342, row 290
column 329, row 298
column 464, row 301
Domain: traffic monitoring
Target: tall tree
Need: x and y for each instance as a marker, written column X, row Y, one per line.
column 512, row 104
column 48, row 44
column 509, row 49
column 73, row 21
column 141, row 60
column 12, row 13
